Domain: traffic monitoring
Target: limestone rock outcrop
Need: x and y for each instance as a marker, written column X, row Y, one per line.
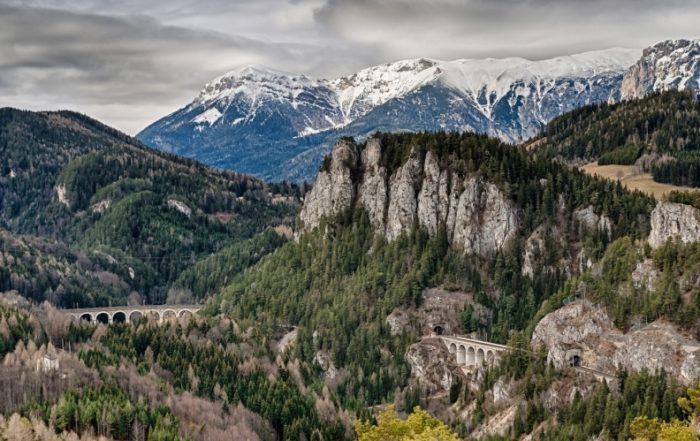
column 668, row 65
column 645, row 275
column 534, row 246
column 672, row 220
column 586, row 330
column 432, row 366
column 660, row 346
column 372, row 191
column 588, row 217
column 325, row 362
column 403, row 204
column 485, row 220
column 578, row 326
column 503, row 392
column 397, row 321
column 334, row 189
column 476, row 215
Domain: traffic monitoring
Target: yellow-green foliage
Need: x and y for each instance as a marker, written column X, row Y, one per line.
column 419, row 426
column 654, row 429
column 651, row 429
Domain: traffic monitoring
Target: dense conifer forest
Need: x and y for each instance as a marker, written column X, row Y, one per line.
column 106, row 220
column 134, row 225
column 659, row 133
column 338, row 283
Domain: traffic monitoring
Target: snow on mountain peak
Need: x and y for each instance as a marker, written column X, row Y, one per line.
column 254, row 81
column 358, row 93
column 278, row 125
column 491, row 77
column 376, row 85
column 668, row 65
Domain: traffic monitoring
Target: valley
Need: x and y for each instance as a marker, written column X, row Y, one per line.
column 492, row 249
column 320, row 307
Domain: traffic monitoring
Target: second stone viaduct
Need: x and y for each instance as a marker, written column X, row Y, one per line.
column 473, row 353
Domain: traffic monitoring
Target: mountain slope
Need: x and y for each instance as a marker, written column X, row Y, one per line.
column 34, row 147
column 377, row 234
column 551, row 257
column 668, row 65
column 118, row 211
column 277, row 125
column 659, row 134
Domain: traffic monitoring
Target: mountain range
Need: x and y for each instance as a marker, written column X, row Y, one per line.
column 277, row 125
column 400, row 232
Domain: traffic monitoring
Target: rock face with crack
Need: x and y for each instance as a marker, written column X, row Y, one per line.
column 334, row 189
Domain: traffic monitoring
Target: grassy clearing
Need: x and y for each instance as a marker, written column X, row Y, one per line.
column 633, row 179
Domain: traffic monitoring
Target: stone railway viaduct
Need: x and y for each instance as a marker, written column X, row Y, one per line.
column 473, row 353
column 122, row 314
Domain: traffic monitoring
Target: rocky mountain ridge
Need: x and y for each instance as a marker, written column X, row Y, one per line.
column 278, row 125
column 296, row 118
column 583, row 330
column 668, row 65
column 477, row 216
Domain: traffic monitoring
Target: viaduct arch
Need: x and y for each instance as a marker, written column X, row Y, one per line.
column 473, row 353
column 129, row 314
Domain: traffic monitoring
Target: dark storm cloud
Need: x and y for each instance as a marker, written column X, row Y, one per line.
column 129, row 62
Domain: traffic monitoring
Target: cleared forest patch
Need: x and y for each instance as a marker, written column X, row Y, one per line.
column 634, row 179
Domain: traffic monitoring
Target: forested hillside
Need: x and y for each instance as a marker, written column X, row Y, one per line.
column 34, row 148
column 193, row 379
column 301, row 337
column 659, row 133
column 115, row 220
column 340, row 281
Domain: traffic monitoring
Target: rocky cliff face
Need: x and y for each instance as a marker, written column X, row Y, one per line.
column 672, row 220
column 587, row 331
column 669, row 65
column 476, row 215
column 334, row 189
column 432, row 366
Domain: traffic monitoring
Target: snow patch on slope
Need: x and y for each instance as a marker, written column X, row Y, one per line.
column 209, row 116
column 374, row 86
column 256, row 82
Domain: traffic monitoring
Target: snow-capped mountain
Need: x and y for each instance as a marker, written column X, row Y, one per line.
column 279, row 126
column 669, row 65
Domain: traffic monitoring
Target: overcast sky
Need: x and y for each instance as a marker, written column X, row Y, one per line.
column 129, row 62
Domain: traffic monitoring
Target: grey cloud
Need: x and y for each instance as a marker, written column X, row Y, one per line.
column 91, row 61
column 497, row 28
column 129, row 62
